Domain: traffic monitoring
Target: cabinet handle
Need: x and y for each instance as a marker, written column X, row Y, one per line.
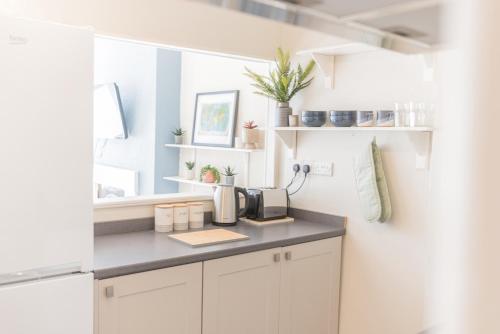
column 288, row 255
column 276, row 257
column 109, row 291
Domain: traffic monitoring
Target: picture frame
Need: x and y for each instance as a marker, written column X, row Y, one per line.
column 215, row 115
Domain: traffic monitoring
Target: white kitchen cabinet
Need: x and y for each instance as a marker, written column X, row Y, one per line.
column 241, row 294
column 154, row 302
column 310, row 281
column 290, row 290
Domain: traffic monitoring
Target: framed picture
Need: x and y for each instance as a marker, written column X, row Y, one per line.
column 215, row 118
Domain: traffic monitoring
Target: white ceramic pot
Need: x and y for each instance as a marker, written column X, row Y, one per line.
column 178, row 140
column 229, row 180
column 189, row 174
column 249, row 137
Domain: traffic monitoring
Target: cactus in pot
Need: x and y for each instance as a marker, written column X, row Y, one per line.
column 178, row 134
column 189, row 170
column 249, row 135
column 228, row 175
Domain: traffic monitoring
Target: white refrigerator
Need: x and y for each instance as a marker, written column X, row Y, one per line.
column 46, row 231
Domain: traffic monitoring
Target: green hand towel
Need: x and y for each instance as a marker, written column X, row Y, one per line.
column 372, row 185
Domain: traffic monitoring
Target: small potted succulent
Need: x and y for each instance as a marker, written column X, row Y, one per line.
column 178, row 133
column 228, row 176
column 249, row 135
column 189, row 170
column 209, row 174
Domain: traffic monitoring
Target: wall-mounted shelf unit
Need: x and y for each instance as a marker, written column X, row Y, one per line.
column 213, row 148
column 180, row 179
column 355, row 129
column 325, row 57
column 195, row 148
column 289, row 136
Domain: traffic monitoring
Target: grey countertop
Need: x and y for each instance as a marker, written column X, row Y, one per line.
column 128, row 253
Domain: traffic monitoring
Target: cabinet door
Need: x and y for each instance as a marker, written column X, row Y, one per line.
column 154, row 302
column 241, row 294
column 310, row 280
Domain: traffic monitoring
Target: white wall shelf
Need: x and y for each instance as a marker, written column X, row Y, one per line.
column 213, row 148
column 289, row 137
column 325, row 57
column 181, row 179
column 195, row 148
column 355, row 129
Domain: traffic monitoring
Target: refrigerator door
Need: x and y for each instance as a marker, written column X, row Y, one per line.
column 61, row 305
column 46, row 87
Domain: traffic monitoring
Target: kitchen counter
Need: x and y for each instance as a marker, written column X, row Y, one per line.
column 128, row 253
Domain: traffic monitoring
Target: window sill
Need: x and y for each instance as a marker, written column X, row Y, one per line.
column 105, row 203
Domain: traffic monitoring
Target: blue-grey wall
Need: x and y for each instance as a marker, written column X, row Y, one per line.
column 168, row 89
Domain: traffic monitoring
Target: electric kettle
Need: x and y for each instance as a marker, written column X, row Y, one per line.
column 227, row 205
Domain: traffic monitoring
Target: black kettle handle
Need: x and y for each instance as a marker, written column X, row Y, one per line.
column 241, row 212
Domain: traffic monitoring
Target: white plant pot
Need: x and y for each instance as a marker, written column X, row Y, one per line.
column 178, row 140
column 249, row 137
column 189, row 174
column 229, row 180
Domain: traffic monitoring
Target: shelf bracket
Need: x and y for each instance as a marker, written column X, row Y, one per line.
column 326, row 65
column 423, row 150
column 289, row 138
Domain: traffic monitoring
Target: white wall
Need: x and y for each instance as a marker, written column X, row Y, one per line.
column 385, row 266
column 207, row 73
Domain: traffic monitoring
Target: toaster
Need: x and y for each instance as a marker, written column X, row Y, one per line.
column 267, row 203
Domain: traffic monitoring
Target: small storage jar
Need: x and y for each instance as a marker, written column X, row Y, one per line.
column 164, row 218
column 196, row 215
column 181, row 217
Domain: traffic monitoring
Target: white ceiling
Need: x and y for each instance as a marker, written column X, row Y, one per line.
column 348, row 7
column 420, row 18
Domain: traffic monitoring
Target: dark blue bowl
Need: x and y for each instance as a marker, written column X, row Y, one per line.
column 343, row 118
column 313, row 118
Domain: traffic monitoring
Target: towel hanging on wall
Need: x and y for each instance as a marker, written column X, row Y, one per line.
column 371, row 184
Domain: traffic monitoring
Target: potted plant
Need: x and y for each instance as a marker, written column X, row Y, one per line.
column 189, row 170
column 228, row 176
column 209, row 174
column 282, row 84
column 249, row 135
column 178, row 133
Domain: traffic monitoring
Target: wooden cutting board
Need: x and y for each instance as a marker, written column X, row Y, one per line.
column 208, row 237
column 267, row 222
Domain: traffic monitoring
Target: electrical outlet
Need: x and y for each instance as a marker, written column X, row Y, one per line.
column 320, row 167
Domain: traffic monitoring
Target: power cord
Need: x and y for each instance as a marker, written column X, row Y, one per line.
column 306, row 169
column 296, row 169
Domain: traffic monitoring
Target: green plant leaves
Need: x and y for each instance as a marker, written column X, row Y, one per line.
column 283, row 82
